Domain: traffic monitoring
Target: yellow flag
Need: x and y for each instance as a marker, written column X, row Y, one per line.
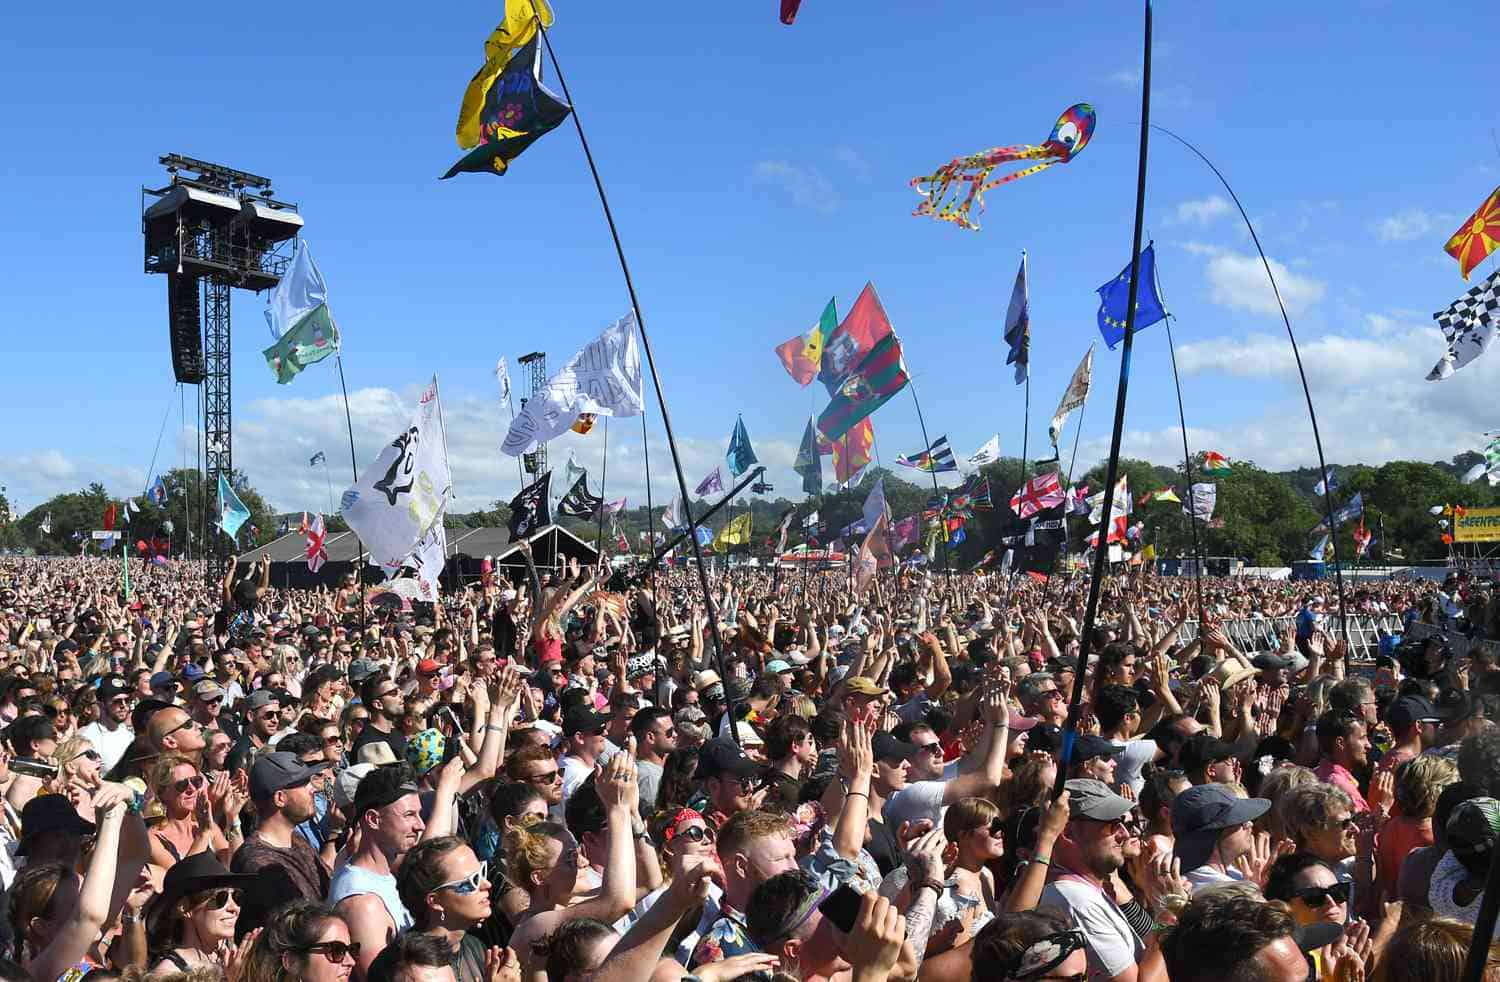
column 516, row 29
column 1148, row 553
column 736, row 533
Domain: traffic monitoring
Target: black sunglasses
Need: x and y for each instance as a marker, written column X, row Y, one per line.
column 219, row 899
column 696, row 833
column 1318, row 896
column 336, row 951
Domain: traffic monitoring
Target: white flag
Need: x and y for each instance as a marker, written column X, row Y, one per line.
column 502, row 375
column 604, row 378
column 572, row 471
column 429, row 558
column 987, row 454
column 1076, row 394
column 875, row 506
column 1201, row 501
column 669, row 514
column 47, row 524
column 299, row 292
column 405, row 490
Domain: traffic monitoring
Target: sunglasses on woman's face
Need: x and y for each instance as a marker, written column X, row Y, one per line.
column 334, row 951
column 696, row 833
column 1318, row 896
column 91, row 755
column 219, row 899
column 468, row 884
column 997, row 828
column 195, row 782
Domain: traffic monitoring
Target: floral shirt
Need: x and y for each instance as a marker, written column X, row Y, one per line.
column 726, row 937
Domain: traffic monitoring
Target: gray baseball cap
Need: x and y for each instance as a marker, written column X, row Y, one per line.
column 1092, row 799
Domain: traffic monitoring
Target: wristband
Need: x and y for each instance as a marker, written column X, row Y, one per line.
column 1041, row 860
column 932, row 885
column 856, row 794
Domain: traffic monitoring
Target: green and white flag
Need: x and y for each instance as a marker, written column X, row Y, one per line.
column 300, row 319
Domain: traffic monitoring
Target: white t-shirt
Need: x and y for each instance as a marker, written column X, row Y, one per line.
column 1208, row 876
column 111, row 744
column 1113, row 946
column 1138, row 753
column 922, row 799
column 575, row 772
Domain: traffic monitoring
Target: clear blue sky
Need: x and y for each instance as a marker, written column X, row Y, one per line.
column 755, row 170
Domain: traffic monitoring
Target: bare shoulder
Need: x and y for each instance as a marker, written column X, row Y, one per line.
column 365, row 908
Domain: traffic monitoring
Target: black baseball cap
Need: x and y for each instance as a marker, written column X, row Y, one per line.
column 113, row 685
column 581, row 719
column 278, row 771
column 1411, row 709
column 1202, row 749
column 1270, row 661
column 721, row 756
column 1087, row 746
column 887, row 747
column 1201, row 812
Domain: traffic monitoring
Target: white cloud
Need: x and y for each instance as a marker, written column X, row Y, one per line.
column 1126, row 76
column 854, row 160
column 806, row 186
column 1202, row 211
column 1239, row 281
column 1407, row 225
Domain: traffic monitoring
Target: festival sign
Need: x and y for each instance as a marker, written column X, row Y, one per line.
column 1477, row 525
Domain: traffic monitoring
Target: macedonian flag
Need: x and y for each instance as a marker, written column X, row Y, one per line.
column 1478, row 236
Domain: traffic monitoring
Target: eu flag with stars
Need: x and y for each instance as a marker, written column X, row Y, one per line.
column 1114, row 297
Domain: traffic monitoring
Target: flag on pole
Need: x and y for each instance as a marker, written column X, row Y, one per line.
column 316, row 532
column 502, row 375
column 741, row 456
column 158, row 492
column 851, row 452
column 1038, row 494
column 1468, row 325
column 1215, row 464
column 604, row 378
column 669, row 515
column 398, row 497
column 936, row 459
column 506, row 108
column 875, row 505
column 712, row 484
column 1330, row 482
column 1075, row 395
column 46, row 525
column 1018, row 325
column 735, row 533
column 531, row 508
column 1201, row 501
column 1478, row 236
column 318, row 458
column 809, row 463
column 879, row 376
column 987, row 454
column 1347, row 512
column 577, row 502
column 1114, row 297
column 802, row 356
column 1361, row 538
column 300, row 320
column 428, row 559
column 614, row 506
column 1319, row 551
column 784, row 528
column 863, row 327
column 811, row 523
column 232, row 511
column 1165, row 494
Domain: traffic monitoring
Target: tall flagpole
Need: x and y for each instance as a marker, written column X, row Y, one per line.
column 1101, row 553
column 1302, row 374
column 359, row 572
column 661, row 398
column 947, row 566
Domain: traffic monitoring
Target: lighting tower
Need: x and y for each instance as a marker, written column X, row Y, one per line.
column 212, row 229
column 536, row 380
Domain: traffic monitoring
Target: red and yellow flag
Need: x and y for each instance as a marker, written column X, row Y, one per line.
column 802, row 356
column 1478, row 236
column 852, row 451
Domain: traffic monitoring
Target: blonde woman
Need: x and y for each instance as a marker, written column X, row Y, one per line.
column 1274, row 787
column 188, row 826
column 1419, row 782
column 972, row 827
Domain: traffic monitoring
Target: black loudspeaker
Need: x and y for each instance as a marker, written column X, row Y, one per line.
column 184, row 328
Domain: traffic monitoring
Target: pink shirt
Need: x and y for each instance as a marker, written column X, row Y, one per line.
column 1338, row 775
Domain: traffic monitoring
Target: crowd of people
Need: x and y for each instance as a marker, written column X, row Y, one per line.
column 573, row 775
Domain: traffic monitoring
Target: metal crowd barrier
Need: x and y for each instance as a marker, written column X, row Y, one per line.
column 1253, row 635
column 1457, row 643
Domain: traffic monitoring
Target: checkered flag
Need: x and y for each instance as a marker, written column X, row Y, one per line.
column 1469, row 325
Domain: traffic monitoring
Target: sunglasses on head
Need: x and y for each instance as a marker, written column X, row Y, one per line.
column 1318, row 896
column 334, row 951
column 467, row 885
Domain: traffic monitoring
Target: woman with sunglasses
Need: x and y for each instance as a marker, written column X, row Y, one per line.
column 447, row 890
column 967, row 903
column 187, row 826
column 190, row 921
column 80, row 769
column 1310, row 889
column 305, row 941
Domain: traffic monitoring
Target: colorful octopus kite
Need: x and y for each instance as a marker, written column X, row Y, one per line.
column 941, row 189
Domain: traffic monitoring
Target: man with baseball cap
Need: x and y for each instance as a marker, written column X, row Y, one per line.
column 583, row 738
column 111, row 735
column 262, row 721
column 1211, row 825
column 285, row 865
column 733, row 782
column 978, row 775
column 1089, row 851
column 1413, row 721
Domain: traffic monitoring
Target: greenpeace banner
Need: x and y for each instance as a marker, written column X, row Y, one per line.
column 1477, row 525
column 396, row 500
column 604, row 378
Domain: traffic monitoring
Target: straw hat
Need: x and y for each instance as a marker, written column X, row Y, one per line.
column 1231, row 672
